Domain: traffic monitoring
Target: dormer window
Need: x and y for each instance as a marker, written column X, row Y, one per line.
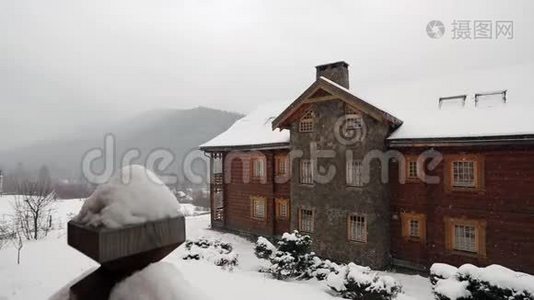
column 452, row 101
column 306, row 122
column 490, row 99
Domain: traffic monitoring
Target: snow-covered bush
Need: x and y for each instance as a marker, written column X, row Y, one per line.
column 219, row 253
column 320, row 269
column 292, row 258
column 357, row 282
column 471, row 282
column 263, row 249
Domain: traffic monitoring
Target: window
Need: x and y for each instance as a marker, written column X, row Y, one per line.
column 282, row 208
column 306, row 171
column 353, row 117
column 258, row 207
column 306, row 122
column 357, row 226
column 354, row 173
column 258, row 167
column 306, row 220
column 412, row 169
column 413, row 226
column 464, row 236
column 463, row 174
column 353, row 123
column 281, row 165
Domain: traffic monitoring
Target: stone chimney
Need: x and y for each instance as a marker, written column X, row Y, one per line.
column 338, row 72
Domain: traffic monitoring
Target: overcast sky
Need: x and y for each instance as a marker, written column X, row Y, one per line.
column 70, row 64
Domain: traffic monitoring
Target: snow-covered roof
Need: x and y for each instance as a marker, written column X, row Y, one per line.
column 416, row 104
column 254, row 129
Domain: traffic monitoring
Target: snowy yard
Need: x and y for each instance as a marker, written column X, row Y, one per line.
column 49, row 266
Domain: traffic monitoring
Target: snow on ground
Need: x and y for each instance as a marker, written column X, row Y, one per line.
column 188, row 209
column 49, row 266
column 132, row 196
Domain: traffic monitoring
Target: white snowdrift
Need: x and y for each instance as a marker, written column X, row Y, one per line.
column 443, row 270
column 158, row 281
column 500, row 276
column 134, row 195
column 452, row 288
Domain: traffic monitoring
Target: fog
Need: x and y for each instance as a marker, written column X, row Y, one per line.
column 67, row 66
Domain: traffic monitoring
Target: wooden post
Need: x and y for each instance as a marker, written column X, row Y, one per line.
column 121, row 252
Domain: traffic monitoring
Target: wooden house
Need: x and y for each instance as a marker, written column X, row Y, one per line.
column 437, row 171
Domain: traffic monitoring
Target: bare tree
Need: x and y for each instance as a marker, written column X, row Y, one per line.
column 16, row 238
column 5, row 233
column 33, row 209
column 11, row 232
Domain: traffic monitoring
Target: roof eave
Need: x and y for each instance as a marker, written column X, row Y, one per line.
column 270, row 146
column 503, row 140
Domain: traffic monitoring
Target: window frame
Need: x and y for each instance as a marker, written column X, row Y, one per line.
column 478, row 173
column 263, row 162
column 301, row 174
column 406, row 219
column 300, row 219
column 464, row 244
column 350, row 236
column 279, row 203
column 352, row 115
column 253, row 212
column 480, row 236
column 409, row 161
column 281, row 160
column 350, row 173
column 462, row 164
column 306, row 122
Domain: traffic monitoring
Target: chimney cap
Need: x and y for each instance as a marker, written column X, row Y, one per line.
column 332, row 65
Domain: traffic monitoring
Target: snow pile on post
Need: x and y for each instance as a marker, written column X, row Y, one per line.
column 471, row 282
column 158, row 281
column 134, row 195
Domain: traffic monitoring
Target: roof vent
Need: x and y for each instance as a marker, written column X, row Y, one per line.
column 452, row 101
column 490, row 99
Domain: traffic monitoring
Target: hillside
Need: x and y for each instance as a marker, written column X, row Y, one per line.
column 179, row 131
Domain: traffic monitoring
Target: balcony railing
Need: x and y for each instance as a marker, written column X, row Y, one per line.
column 217, row 179
column 219, row 214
